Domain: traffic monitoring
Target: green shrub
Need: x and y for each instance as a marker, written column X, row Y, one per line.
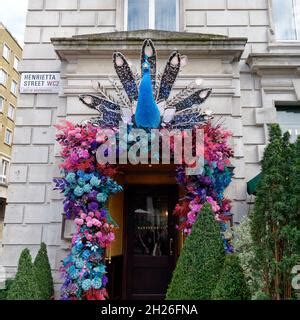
column 3, row 292
column 43, row 273
column 25, row 286
column 200, row 262
column 232, row 284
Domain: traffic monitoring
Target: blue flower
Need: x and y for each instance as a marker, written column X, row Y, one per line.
column 86, row 284
column 80, row 173
column 71, row 177
column 87, row 188
column 97, row 283
column 81, row 182
column 87, row 176
column 73, row 272
column 86, row 254
column 100, row 269
column 79, row 263
column 101, row 197
column 66, row 191
column 78, row 192
column 95, row 182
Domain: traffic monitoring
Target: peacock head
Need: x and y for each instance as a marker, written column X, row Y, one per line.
column 146, row 66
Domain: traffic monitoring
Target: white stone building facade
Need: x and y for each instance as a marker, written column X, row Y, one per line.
column 252, row 72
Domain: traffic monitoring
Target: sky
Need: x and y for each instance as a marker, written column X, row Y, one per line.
column 13, row 16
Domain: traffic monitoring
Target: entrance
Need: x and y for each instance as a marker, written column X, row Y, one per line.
column 151, row 240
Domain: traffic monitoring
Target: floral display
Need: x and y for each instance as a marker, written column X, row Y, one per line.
column 86, row 187
column 210, row 185
column 87, row 184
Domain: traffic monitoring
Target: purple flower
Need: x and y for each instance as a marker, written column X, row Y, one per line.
column 93, row 206
column 92, row 195
column 103, row 213
column 104, row 281
column 94, row 145
column 205, row 180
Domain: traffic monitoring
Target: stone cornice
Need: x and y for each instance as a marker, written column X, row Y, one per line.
column 274, row 63
column 165, row 41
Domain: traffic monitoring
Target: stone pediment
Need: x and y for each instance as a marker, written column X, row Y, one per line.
column 151, row 34
column 130, row 41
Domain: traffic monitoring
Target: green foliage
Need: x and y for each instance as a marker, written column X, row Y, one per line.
column 275, row 219
column 25, row 286
column 232, row 284
column 243, row 246
column 43, row 273
column 3, row 292
column 200, row 262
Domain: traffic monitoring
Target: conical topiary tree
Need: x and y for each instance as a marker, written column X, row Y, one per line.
column 232, row 284
column 274, row 221
column 43, row 273
column 25, row 286
column 200, row 262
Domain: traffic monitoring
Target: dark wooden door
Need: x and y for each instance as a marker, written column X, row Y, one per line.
column 150, row 243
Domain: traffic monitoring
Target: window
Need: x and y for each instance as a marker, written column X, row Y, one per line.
column 286, row 15
column 2, row 210
column 4, row 171
column 3, row 77
column 16, row 63
column 289, row 120
column 151, row 14
column 1, row 104
column 6, row 52
column 8, row 136
column 11, row 112
column 14, row 87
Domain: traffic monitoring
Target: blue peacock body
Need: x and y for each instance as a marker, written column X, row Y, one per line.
column 147, row 114
column 148, row 103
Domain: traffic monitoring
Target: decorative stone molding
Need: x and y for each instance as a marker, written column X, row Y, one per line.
column 274, row 63
column 130, row 41
column 280, row 84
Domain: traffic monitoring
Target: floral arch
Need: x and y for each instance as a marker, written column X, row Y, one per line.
column 87, row 184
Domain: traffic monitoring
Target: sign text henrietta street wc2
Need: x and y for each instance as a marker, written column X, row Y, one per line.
column 41, row 82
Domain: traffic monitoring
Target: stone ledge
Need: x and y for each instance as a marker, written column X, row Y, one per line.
column 131, row 41
column 274, row 63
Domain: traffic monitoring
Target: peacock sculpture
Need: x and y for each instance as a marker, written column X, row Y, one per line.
column 148, row 103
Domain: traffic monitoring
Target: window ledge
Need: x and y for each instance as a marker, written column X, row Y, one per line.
column 284, row 46
column 280, row 62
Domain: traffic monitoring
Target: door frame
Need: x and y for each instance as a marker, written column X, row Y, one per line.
column 125, row 228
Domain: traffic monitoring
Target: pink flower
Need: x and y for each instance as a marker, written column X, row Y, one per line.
column 98, row 234
column 97, row 214
column 111, row 237
column 195, row 207
column 89, row 237
column 78, row 136
column 74, row 157
column 84, row 154
column 79, row 221
column 88, row 218
column 83, row 216
column 89, row 224
column 187, row 231
column 99, row 224
column 91, row 214
column 215, row 207
column 191, row 216
column 95, row 222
